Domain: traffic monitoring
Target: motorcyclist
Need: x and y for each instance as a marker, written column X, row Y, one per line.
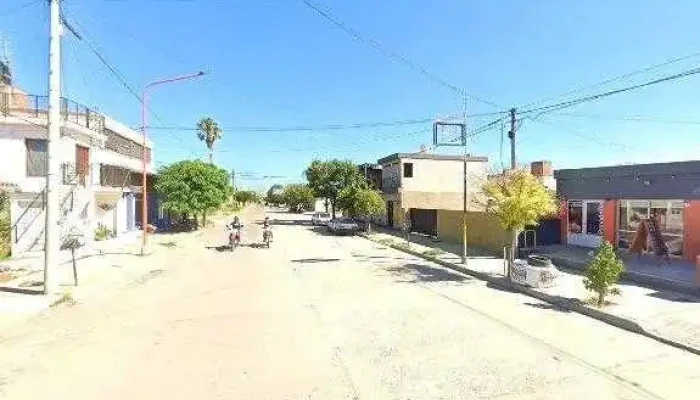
column 236, row 223
column 267, row 232
column 266, row 222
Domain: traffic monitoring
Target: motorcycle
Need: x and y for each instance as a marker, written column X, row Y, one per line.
column 234, row 237
column 267, row 237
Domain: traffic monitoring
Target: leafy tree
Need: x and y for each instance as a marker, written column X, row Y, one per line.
column 298, row 197
column 329, row 178
column 274, row 194
column 518, row 200
column 209, row 132
column 603, row 272
column 245, row 196
column 359, row 201
column 193, row 187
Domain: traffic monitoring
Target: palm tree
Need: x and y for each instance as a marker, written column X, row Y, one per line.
column 209, row 132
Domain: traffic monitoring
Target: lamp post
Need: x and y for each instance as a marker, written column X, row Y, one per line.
column 144, row 174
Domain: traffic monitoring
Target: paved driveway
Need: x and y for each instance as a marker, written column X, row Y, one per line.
column 324, row 317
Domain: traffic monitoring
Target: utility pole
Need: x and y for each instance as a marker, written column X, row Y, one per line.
column 465, row 191
column 51, row 227
column 511, row 136
column 233, row 179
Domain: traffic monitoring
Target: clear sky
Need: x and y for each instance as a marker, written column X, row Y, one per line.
column 276, row 63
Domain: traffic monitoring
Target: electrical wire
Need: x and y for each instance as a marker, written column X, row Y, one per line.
column 360, row 37
column 571, row 103
column 629, row 118
column 20, row 7
column 615, row 79
column 326, row 127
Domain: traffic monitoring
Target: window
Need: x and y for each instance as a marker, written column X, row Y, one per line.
column 575, row 217
column 668, row 215
column 408, row 170
column 36, row 157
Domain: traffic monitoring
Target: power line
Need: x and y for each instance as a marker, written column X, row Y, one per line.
column 571, row 103
column 360, row 37
column 19, row 7
column 631, row 118
column 326, row 127
column 616, row 78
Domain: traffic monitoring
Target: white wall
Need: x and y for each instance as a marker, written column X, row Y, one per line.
column 443, row 175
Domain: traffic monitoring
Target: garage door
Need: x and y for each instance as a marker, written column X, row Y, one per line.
column 424, row 221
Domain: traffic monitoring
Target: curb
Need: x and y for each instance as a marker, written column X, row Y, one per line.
column 563, row 302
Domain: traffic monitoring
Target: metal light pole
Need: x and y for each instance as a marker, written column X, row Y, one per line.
column 144, row 151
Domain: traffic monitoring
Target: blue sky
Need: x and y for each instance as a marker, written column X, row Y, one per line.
column 276, row 63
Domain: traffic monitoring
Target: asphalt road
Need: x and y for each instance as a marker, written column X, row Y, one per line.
column 325, row 317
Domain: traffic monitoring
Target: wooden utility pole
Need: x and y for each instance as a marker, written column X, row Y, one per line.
column 511, row 136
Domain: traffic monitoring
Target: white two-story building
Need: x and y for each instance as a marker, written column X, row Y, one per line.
column 101, row 163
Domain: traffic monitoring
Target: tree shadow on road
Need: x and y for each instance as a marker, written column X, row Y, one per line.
column 425, row 273
column 290, row 222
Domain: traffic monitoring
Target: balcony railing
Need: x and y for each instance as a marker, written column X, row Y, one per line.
column 32, row 106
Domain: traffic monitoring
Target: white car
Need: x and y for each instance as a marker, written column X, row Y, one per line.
column 343, row 225
column 320, row 218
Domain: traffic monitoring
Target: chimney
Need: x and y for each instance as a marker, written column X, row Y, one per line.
column 541, row 168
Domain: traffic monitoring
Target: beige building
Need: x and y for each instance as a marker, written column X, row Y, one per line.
column 417, row 185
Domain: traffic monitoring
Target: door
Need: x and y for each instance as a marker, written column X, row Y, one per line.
column 130, row 211
column 390, row 213
column 82, row 163
column 585, row 223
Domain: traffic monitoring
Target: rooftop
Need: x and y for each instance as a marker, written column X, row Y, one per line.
column 428, row 156
column 677, row 167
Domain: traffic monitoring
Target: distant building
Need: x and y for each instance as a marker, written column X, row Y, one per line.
column 372, row 174
column 426, row 188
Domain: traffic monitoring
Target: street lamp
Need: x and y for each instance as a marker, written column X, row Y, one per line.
column 144, row 188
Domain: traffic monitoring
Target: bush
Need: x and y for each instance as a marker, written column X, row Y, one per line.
column 102, row 233
column 603, row 272
column 5, row 225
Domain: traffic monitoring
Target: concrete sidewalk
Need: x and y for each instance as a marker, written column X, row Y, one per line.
column 101, row 266
column 664, row 315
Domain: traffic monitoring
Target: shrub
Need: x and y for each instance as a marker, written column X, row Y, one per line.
column 102, row 233
column 603, row 272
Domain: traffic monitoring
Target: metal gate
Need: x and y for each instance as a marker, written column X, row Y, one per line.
column 424, row 221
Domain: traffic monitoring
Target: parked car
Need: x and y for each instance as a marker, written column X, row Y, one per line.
column 320, row 218
column 343, row 226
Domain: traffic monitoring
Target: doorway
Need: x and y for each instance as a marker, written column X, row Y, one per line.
column 390, row 213
column 585, row 223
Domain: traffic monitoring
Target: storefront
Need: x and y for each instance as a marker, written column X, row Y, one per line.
column 610, row 204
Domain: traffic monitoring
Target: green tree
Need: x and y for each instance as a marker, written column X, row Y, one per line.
column 329, row 178
column 245, row 196
column 209, row 132
column 603, row 272
column 361, row 202
column 274, row 194
column 298, row 197
column 518, row 200
column 193, row 187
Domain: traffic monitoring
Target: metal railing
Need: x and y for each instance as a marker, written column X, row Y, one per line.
column 32, row 106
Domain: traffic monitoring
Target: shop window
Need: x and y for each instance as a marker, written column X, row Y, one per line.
column 575, row 217
column 593, row 219
column 668, row 215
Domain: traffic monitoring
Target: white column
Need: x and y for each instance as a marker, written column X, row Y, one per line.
column 51, row 231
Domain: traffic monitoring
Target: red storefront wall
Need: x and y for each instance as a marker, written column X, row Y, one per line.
column 691, row 230
column 610, row 221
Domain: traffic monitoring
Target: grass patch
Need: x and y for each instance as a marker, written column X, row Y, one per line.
column 433, row 252
column 169, row 244
column 402, row 245
column 66, row 298
column 385, row 242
